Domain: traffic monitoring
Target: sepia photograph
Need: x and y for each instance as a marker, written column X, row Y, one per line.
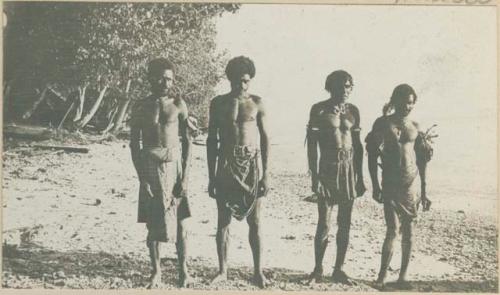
column 326, row 147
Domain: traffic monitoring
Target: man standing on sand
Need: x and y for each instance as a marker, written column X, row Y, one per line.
column 162, row 165
column 404, row 151
column 236, row 123
column 334, row 128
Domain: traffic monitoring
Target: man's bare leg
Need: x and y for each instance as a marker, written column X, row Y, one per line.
column 154, row 254
column 406, row 245
column 321, row 239
column 387, row 248
column 387, row 251
column 182, row 240
column 344, row 226
column 222, row 239
column 254, row 237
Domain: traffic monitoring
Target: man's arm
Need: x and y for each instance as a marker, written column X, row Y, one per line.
column 422, row 167
column 373, row 142
column 185, row 141
column 358, row 152
column 423, row 152
column 264, row 144
column 312, row 147
column 136, row 144
column 212, row 146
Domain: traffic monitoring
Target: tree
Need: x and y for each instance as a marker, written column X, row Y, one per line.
column 104, row 46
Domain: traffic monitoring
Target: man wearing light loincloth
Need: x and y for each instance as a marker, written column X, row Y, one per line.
column 334, row 128
column 236, row 124
column 162, row 164
column 404, row 151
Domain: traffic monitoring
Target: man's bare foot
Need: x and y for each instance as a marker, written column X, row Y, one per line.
column 339, row 276
column 259, row 279
column 154, row 281
column 185, row 281
column 403, row 284
column 379, row 284
column 221, row 277
column 315, row 277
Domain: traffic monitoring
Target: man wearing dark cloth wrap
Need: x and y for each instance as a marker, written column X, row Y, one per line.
column 236, row 126
column 338, row 179
column 162, row 165
column 404, row 151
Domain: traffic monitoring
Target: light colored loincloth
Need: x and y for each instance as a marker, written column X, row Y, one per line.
column 161, row 207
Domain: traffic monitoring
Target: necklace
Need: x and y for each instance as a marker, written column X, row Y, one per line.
column 339, row 108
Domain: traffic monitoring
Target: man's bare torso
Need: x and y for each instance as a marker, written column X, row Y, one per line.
column 399, row 144
column 158, row 120
column 236, row 119
column 333, row 128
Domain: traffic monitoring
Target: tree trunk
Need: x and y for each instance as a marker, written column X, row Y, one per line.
column 6, row 90
column 66, row 115
column 35, row 105
column 93, row 110
column 81, row 100
column 57, row 94
column 111, row 121
column 6, row 99
column 122, row 110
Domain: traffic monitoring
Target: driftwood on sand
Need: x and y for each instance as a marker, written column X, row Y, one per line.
column 69, row 149
column 26, row 132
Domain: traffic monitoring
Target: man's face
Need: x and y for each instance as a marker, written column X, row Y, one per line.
column 405, row 105
column 342, row 91
column 161, row 82
column 242, row 84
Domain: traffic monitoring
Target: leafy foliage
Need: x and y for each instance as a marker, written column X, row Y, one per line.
column 69, row 44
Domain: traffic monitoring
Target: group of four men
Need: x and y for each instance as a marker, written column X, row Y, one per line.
column 237, row 139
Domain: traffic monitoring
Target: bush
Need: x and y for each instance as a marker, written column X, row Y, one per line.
column 108, row 45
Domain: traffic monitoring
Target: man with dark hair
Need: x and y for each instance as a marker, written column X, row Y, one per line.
column 236, row 124
column 334, row 128
column 404, row 150
column 162, row 165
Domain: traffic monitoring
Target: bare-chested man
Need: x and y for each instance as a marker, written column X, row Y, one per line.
column 404, row 151
column 162, row 165
column 334, row 128
column 236, row 126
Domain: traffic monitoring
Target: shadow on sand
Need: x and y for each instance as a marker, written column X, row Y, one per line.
column 36, row 267
column 442, row 286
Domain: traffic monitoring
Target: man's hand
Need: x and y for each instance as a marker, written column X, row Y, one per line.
column 360, row 187
column 315, row 185
column 377, row 194
column 426, row 203
column 147, row 188
column 182, row 189
column 262, row 189
column 211, row 189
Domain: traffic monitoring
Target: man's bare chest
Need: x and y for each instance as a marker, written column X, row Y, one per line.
column 238, row 112
column 159, row 113
column 331, row 120
column 401, row 133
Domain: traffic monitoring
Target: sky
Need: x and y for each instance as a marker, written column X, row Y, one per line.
column 448, row 55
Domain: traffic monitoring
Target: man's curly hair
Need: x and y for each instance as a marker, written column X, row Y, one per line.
column 239, row 66
column 158, row 65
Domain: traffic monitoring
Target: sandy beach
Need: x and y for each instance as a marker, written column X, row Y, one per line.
column 69, row 221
